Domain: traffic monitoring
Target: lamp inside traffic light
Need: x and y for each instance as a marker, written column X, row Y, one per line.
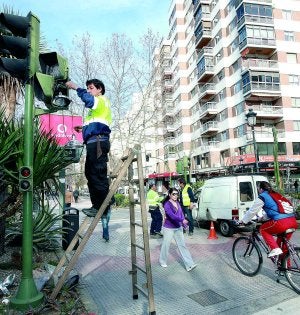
column 50, row 85
column 25, row 178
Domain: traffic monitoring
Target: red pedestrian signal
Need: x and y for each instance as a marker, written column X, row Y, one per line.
column 25, row 178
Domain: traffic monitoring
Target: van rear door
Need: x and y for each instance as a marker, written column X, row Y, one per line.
column 246, row 195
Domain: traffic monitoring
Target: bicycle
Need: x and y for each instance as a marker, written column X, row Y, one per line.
column 247, row 255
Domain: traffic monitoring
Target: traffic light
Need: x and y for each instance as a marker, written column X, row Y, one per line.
column 50, row 85
column 19, row 45
column 25, row 178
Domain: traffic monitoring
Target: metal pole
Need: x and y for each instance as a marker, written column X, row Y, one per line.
column 255, row 149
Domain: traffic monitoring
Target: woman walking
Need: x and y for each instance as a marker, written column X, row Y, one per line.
column 173, row 228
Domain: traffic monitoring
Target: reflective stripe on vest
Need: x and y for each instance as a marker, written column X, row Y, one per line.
column 152, row 198
column 101, row 111
column 186, row 201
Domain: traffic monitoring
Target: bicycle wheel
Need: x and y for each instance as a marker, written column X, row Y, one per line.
column 291, row 266
column 247, row 256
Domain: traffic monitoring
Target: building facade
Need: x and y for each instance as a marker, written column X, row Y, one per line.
column 222, row 59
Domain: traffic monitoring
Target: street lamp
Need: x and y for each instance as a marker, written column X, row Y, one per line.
column 251, row 120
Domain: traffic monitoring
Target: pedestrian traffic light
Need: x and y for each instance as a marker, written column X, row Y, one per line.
column 50, row 85
column 25, row 178
column 19, row 45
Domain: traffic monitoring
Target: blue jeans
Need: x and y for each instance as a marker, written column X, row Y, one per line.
column 156, row 222
column 105, row 220
column 188, row 212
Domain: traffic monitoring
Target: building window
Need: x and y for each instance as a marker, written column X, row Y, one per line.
column 296, row 148
column 289, row 36
column 267, row 148
column 293, row 79
column 291, row 58
column 296, row 124
column 287, row 14
column 295, row 101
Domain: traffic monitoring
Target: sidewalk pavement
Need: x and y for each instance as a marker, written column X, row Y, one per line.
column 214, row 287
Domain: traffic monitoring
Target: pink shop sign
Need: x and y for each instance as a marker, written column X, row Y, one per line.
column 62, row 127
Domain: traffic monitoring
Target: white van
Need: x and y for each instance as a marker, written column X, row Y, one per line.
column 226, row 198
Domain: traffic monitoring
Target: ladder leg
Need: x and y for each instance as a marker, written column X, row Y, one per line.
column 145, row 236
column 132, row 236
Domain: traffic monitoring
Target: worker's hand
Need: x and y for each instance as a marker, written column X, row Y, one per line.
column 185, row 221
column 71, row 85
column 192, row 206
column 78, row 128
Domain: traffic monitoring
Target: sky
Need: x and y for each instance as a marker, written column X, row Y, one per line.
column 62, row 20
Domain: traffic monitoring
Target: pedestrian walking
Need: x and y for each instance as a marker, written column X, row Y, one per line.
column 173, row 229
column 76, row 195
column 296, row 185
column 154, row 200
column 187, row 200
column 95, row 134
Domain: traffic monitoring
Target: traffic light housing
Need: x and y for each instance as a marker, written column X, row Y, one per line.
column 25, row 178
column 19, row 46
column 50, row 85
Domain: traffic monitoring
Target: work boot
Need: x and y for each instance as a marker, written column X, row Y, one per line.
column 90, row 212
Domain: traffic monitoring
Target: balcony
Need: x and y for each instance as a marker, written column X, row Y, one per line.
column 254, row 20
column 264, row 135
column 208, row 147
column 209, row 129
column 168, row 109
column 205, row 51
column 267, row 111
column 205, row 69
column 260, row 64
column 238, row 2
column 201, row 16
column 257, row 90
column 197, row 3
column 167, row 85
column 260, row 46
column 207, row 90
column 208, row 111
column 169, row 141
column 203, row 37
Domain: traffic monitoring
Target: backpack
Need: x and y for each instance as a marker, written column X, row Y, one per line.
column 284, row 205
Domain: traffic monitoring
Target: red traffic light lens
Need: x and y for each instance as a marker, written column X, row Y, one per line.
column 25, row 172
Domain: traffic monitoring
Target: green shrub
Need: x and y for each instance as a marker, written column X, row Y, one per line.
column 125, row 202
column 119, row 199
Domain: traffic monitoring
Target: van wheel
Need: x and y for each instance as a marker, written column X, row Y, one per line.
column 225, row 228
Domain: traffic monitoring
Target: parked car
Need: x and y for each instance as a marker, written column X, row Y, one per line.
column 226, row 198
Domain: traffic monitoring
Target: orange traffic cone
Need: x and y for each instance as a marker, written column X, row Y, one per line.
column 212, row 233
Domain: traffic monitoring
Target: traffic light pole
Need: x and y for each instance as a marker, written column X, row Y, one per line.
column 28, row 296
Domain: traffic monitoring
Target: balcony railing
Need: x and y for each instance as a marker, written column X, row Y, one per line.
column 267, row 109
column 207, row 107
column 169, row 141
column 205, row 32
column 238, row 2
column 256, row 19
column 261, row 86
column 260, row 63
column 260, row 135
column 205, row 51
column 257, row 42
column 209, row 126
column 206, row 88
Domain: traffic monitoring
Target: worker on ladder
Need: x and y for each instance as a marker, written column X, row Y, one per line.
column 95, row 133
column 153, row 200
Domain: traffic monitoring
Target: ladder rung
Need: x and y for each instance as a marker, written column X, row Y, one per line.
column 138, row 246
column 139, row 268
column 141, row 289
column 137, row 224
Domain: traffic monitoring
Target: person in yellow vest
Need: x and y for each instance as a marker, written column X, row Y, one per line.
column 153, row 200
column 187, row 200
column 95, row 133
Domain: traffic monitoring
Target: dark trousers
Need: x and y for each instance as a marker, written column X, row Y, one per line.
column 188, row 213
column 156, row 222
column 96, row 172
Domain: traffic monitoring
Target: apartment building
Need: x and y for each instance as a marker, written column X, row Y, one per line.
column 224, row 59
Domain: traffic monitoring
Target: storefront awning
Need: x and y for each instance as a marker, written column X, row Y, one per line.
column 162, row 175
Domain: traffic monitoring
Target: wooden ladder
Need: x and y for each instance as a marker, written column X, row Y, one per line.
column 70, row 257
